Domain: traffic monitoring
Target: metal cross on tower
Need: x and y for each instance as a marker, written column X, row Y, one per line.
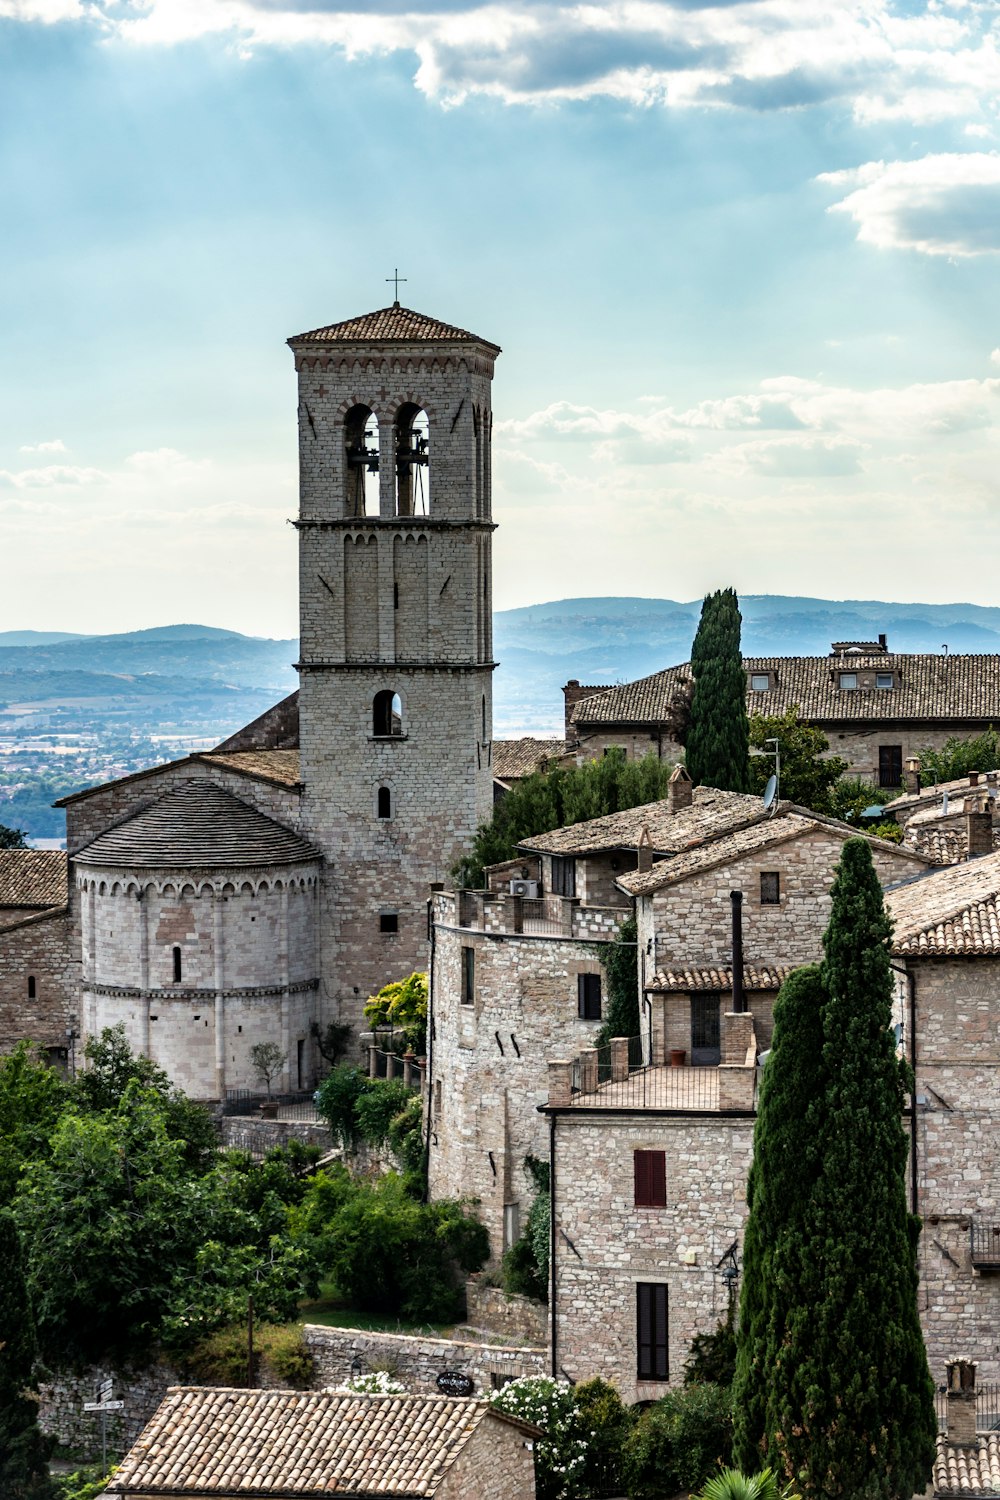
column 395, row 278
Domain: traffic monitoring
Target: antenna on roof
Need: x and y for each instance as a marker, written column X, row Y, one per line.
column 770, row 792
column 773, row 782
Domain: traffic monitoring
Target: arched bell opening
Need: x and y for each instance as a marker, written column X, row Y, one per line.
column 361, row 445
column 412, row 448
column 387, row 714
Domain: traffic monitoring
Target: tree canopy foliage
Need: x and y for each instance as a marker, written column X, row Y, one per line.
column 403, row 1006
column 832, row 1387
column 717, row 751
column 620, row 962
column 806, row 779
column 24, row 1473
column 557, row 798
column 12, row 838
column 957, row 757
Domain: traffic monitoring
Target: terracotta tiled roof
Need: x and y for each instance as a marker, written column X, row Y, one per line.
column 199, row 824
column 788, row 823
column 931, row 797
column 279, row 766
column 968, row 1471
column 755, row 977
column 942, row 846
column 206, row 1441
column 515, row 758
column 951, row 911
column 32, row 878
column 387, row 325
column 929, row 687
column 711, row 813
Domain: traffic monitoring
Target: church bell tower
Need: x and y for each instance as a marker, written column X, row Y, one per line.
column 395, row 669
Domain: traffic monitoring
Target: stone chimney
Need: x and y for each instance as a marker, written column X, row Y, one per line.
column 680, row 790
column 978, row 827
column 911, row 774
column 572, row 693
column 645, row 851
column 961, row 1388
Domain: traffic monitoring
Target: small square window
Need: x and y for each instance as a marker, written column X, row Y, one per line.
column 849, row 681
column 760, row 682
column 770, row 888
column 883, row 680
column 388, row 921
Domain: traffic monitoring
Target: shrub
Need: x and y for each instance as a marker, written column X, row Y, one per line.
column 712, row 1356
column 561, row 1455
column 377, row 1106
column 679, row 1442
column 86, row 1483
column 337, row 1098
column 288, row 1357
column 406, row 1139
column 526, row 1263
column 221, row 1359
column 375, row 1383
column 604, row 1422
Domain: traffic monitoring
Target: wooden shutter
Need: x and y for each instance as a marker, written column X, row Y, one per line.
column 651, row 1331
column 650, row 1169
column 588, row 997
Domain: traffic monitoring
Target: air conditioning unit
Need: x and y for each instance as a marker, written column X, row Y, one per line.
column 524, row 888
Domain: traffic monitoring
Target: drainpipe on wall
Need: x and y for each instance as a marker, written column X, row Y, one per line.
column 432, row 934
column 553, row 1317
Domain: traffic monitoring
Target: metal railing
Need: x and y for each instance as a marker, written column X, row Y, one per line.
column 984, row 1242
column 617, row 1077
column 987, row 1407
column 248, row 1101
column 538, row 917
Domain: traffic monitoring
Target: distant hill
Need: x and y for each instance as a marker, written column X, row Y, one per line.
column 541, row 646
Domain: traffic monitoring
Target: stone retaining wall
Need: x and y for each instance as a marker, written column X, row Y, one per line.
column 416, row 1361
column 493, row 1311
column 249, row 1133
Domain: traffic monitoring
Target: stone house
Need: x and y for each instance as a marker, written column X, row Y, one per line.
column 356, row 793
column 207, row 1442
column 877, row 708
column 954, row 821
column 39, row 971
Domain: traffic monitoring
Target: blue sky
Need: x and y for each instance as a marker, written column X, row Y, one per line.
column 742, row 259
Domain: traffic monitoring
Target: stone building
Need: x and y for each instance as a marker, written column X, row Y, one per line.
column 877, row 708
column 280, row 880
column 206, row 1442
column 39, row 971
column 952, row 822
column 517, row 975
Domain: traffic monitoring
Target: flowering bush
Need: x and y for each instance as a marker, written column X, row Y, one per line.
column 375, row 1383
column 561, row 1455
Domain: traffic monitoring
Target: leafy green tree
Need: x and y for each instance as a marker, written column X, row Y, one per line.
column 402, row 1005
column 620, row 962
column 526, row 1263
column 849, row 1403
column 111, row 1067
column 267, row 1060
column 957, row 757
column 32, row 1099
column 12, row 838
column 678, row 1441
column 849, row 800
column 717, row 751
column 806, row 777
column 24, row 1473
column 557, row 798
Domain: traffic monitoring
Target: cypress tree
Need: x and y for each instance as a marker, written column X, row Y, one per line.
column 717, row 751
column 832, row 1356
column 24, row 1471
column 782, row 1175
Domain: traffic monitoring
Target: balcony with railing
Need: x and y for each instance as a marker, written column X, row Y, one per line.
column 543, row 915
column 984, row 1243
column 626, row 1075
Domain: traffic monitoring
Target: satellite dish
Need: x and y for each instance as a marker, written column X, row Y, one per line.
column 770, row 791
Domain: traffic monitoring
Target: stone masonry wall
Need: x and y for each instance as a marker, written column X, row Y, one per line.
column 605, row 1245
column 497, row 1462
column 497, row 1312
column 489, row 1059
column 40, row 948
column 416, row 1361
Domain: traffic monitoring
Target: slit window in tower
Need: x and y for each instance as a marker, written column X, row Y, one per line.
column 177, row 966
column 362, row 459
column 412, row 445
column 384, row 802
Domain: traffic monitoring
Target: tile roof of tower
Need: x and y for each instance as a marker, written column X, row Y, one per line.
column 390, row 325
column 281, row 767
column 928, row 686
column 197, row 824
column 33, row 878
column 209, row 1441
column 711, row 812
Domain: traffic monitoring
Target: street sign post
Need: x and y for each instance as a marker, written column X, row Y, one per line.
column 104, row 1404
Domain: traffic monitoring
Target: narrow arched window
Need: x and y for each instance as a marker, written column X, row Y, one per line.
column 412, row 445
column 387, row 714
column 362, row 458
column 177, row 966
column 484, row 718
column 384, row 802
column 31, row 987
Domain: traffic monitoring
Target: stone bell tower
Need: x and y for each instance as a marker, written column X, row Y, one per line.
column 395, row 586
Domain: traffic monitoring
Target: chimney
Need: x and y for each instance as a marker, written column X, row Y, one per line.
column 911, row 774
column 978, row 828
column 645, row 848
column 973, row 778
column 680, row 790
column 882, row 641
column 961, row 1388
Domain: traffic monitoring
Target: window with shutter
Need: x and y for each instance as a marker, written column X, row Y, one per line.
column 588, row 997
column 651, row 1331
column 650, row 1179
column 770, row 888
column 563, row 876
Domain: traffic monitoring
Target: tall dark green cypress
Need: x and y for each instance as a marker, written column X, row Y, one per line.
column 833, row 1333
column 782, row 1176
column 24, row 1471
column 717, row 751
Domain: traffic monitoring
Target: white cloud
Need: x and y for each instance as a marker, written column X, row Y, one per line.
column 46, row 11
column 56, row 445
column 55, row 475
column 944, row 204
column 937, row 63
column 995, row 357
column 829, row 457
